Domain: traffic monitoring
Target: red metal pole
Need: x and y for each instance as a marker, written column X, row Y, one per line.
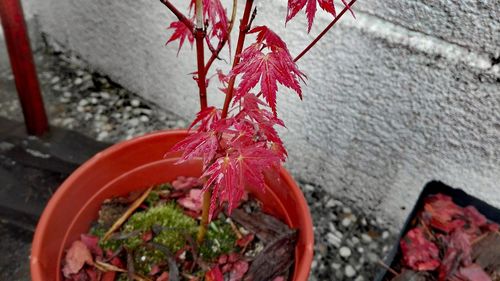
column 23, row 68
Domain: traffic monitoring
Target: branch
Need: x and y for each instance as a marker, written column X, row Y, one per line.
column 239, row 49
column 199, row 34
column 347, row 7
column 179, row 15
column 222, row 43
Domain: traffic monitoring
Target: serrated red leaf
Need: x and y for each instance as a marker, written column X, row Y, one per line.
column 206, row 118
column 418, row 252
column 181, row 33
column 244, row 166
column 201, row 144
column 215, row 13
column 275, row 66
column 295, row 6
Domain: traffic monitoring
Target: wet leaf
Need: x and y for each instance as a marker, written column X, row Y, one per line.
column 77, row 256
column 418, row 252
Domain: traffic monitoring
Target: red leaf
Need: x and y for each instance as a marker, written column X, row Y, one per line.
column 271, row 68
column 472, row 273
column 441, row 213
column 215, row 14
column 181, row 33
column 418, row 252
column 163, row 277
column 192, row 201
column 185, row 183
column 207, row 118
column 238, row 270
column 245, row 240
column 201, row 144
column 294, row 6
column 77, row 256
column 458, row 253
column 214, row 274
column 92, row 243
column 244, row 166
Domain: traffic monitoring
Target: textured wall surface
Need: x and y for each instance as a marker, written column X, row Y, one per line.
column 406, row 93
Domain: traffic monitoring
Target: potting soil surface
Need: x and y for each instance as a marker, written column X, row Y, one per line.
column 87, row 111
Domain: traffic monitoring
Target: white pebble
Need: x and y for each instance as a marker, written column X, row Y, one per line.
column 345, row 252
column 83, row 102
column 78, row 81
column 334, row 240
column 102, row 135
column 135, row 103
column 366, row 238
column 144, row 118
column 349, row 271
column 346, row 222
column 385, row 235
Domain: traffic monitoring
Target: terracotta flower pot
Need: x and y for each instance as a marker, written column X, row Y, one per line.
column 138, row 164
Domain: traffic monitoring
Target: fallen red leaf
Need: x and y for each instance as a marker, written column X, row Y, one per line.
column 163, row 277
column 77, row 256
column 214, row 274
column 245, row 240
column 418, row 252
column 472, row 273
column 458, row 254
column 238, row 270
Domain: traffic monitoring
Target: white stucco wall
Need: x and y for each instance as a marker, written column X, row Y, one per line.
column 405, row 94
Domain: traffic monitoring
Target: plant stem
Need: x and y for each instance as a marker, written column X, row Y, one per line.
column 223, row 42
column 324, row 31
column 199, row 34
column 239, row 48
column 202, row 230
column 179, row 15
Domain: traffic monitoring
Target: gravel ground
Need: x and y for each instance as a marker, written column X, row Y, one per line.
column 348, row 243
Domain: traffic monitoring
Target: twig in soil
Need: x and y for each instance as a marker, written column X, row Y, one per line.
column 388, row 268
column 105, row 267
column 235, row 229
column 127, row 214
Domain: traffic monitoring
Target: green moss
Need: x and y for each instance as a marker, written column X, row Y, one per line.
column 220, row 240
column 111, row 244
column 175, row 227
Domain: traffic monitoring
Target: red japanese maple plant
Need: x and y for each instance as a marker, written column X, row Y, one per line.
column 239, row 142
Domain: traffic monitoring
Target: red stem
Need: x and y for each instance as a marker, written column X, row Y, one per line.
column 324, row 31
column 199, row 34
column 179, row 15
column 239, row 49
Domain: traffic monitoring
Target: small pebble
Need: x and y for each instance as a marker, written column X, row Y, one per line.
column 135, row 103
column 366, row 238
column 349, row 271
column 78, row 81
column 345, row 252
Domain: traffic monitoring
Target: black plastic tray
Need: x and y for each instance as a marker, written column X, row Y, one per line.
column 459, row 197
